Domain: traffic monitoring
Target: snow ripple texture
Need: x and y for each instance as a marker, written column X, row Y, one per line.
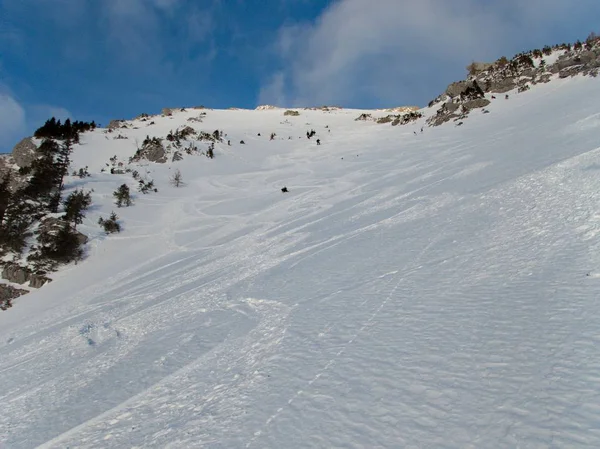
column 416, row 291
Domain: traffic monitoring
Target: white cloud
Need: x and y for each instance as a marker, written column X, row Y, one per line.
column 136, row 27
column 358, row 49
column 18, row 120
column 12, row 118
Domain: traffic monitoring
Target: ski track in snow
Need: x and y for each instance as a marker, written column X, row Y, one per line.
column 437, row 290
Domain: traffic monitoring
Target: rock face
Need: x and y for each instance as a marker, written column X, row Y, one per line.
column 478, row 67
column 292, row 113
column 25, row 152
column 458, row 88
column 7, row 294
column 477, row 103
column 152, row 150
column 16, row 274
column 520, row 73
column 167, row 112
column 38, row 281
column 115, row 124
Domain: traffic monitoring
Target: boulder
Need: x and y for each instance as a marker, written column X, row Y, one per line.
column 7, row 294
column 16, row 274
column 25, row 152
column 167, row 112
column 38, row 281
column 115, row 124
column 153, row 152
column 459, row 87
column 478, row 67
column 364, row 117
column 292, row 113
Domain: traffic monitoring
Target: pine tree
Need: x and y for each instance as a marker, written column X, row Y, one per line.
column 5, row 195
column 75, row 206
column 122, row 196
column 111, row 225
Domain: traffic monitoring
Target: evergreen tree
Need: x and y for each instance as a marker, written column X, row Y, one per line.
column 75, row 206
column 111, row 225
column 122, row 196
column 5, row 195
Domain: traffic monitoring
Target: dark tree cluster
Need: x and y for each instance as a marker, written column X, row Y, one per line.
column 110, row 225
column 54, row 129
column 122, row 196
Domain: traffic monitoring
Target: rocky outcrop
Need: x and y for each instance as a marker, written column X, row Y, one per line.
column 152, row 150
column 478, row 67
column 266, row 107
column 38, row 281
column 474, row 104
column 16, row 274
column 364, row 118
column 458, row 88
column 292, row 113
column 167, row 112
column 386, row 119
column 115, row 124
column 520, row 73
column 25, row 152
column 7, row 294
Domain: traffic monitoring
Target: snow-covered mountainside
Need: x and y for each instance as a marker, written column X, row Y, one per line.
column 411, row 289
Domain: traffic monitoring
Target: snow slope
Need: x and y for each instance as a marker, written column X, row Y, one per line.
column 429, row 290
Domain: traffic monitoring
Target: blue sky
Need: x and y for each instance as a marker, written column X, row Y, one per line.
column 104, row 59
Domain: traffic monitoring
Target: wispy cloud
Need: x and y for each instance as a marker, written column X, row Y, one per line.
column 12, row 117
column 393, row 49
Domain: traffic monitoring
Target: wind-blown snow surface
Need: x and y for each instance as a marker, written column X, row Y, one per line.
column 437, row 290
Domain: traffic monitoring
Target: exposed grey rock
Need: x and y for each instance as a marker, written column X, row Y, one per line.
column 7, row 294
column 292, row 113
column 25, row 152
column 115, row 124
column 364, row 117
column 153, row 152
column 167, row 112
column 15, row 273
column 450, row 107
column 459, row 87
column 545, row 78
column 478, row 67
column 387, row 119
column 38, row 281
column 500, row 86
column 587, row 56
column 177, row 156
column 570, row 71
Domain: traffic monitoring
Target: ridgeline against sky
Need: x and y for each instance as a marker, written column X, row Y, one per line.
column 103, row 59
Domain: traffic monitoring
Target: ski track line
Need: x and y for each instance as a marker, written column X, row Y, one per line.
column 402, row 277
column 225, row 350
